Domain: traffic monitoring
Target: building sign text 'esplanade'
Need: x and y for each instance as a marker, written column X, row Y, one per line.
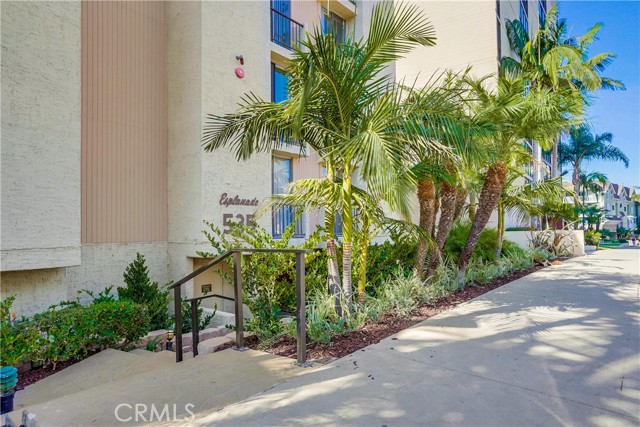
column 237, row 201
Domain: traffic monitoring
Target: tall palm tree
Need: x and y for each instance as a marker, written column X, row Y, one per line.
column 343, row 105
column 582, row 145
column 553, row 60
column 513, row 116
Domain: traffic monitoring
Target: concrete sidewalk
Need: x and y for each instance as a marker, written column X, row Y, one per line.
column 558, row 347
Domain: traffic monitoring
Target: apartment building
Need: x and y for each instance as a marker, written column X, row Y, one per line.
column 103, row 105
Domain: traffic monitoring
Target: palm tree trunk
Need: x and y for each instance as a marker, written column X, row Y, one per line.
column 495, row 179
column 436, row 208
column 426, row 200
column 448, row 205
column 501, row 214
column 554, row 158
column 461, row 199
column 333, row 271
column 364, row 254
column 472, row 206
column 347, row 236
column 575, row 180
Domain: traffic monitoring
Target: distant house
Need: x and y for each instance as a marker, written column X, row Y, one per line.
column 620, row 209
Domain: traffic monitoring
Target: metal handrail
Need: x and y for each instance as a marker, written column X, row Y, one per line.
column 237, row 287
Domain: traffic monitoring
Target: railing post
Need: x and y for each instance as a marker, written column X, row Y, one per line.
column 195, row 326
column 177, row 302
column 237, row 287
column 301, row 313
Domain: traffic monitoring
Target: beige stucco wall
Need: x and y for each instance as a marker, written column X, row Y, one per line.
column 102, row 265
column 466, row 36
column 40, row 200
column 203, row 42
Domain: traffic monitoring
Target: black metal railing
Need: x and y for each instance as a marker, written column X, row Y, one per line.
column 237, row 287
column 285, row 31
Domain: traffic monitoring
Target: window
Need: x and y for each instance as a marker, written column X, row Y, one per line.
column 282, row 175
column 524, row 14
column 498, row 29
column 279, row 84
column 333, row 24
column 542, row 12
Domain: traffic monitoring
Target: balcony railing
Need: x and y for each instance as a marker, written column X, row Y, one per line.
column 282, row 218
column 285, row 31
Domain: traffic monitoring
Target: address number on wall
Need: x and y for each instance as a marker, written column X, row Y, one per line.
column 241, row 219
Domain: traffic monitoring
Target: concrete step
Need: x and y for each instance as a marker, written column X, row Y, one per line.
column 107, row 366
column 163, row 357
column 212, row 344
column 206, row 383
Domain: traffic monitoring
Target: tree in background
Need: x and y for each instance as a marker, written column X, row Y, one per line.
column 582, row 145
column 553, row 60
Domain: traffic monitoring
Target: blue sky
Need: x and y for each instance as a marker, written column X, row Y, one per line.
column 615, row 112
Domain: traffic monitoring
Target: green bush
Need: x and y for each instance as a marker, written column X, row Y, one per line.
column 519, row 229
column 141, row 290
column 607, row 234
column 592, row 237
column 623, row 240
column 485, row 250
column 401, row 294
column 14, row 341
column 513, row 249
column 268, row 279
column 72, row 331
column 187, row 324
column 384, row 259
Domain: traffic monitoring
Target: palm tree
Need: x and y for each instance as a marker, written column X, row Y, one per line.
column 553, row 60
column 582, row 145
column 525, row 200
column 537, row 115
column 344, row 106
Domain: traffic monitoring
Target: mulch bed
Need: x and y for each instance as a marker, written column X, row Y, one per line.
column 344, row 344
column 26, row 378
column 373, row 333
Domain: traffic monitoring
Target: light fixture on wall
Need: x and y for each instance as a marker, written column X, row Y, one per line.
column 240, row 70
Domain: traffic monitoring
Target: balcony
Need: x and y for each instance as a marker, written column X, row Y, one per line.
column 285, row 31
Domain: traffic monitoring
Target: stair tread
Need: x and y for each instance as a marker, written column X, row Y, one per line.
column 209, row 381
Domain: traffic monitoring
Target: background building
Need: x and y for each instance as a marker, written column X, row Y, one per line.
column 103, row 105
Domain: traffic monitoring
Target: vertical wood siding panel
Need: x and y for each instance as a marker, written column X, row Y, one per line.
column 124, row 134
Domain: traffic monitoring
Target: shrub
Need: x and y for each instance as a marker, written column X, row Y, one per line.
column 386, row 258
column 268, row 279
column 72, row 331
column 401, row 294
column 623, row 240
column 14, row 342
column 519, row 229
column 141, row 290
column 607, row 234
column 592, row 237
column 485, row 249
column 187, row 324
column 513, row 249
column 444, row 280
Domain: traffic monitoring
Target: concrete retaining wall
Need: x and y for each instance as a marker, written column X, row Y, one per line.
column 573, row 240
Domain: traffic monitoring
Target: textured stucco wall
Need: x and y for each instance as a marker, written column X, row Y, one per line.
column 102, row 265
column 40, row 135
column 203, row 41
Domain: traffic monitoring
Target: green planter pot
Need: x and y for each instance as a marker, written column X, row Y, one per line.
column 8, row 381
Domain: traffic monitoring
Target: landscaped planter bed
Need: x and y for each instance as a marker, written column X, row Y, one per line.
column 373, row 333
